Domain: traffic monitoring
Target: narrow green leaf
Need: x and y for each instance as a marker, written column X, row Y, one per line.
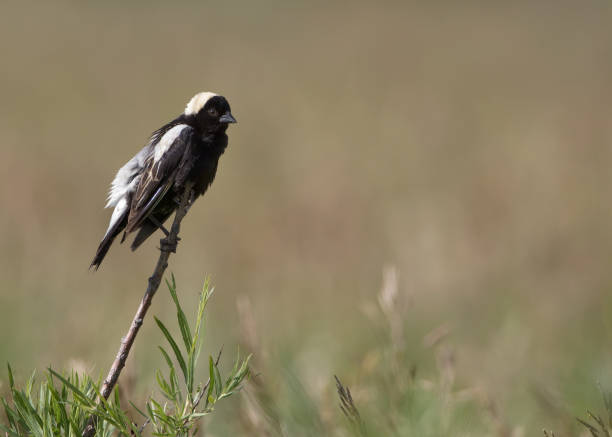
column 164, row 386
column 180, row 315
column 10, row 375
column 30, row 383
column 75, row 390
column 151, row 413
column 206, row 293
column 197, row 415
column 175, row 386
column 219, row 380
column 117, row 401
column 28, row 413
column 166, row 357
column 43, row 405
column 9, row 413
column 58, row 407
column 211, row 380
column 175, row 348
column 201, row 306
column 191, row 367
column 138, row 409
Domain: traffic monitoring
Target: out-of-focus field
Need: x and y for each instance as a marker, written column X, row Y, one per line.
column 468, row 144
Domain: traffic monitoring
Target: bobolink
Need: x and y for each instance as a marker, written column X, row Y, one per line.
column 148, row 188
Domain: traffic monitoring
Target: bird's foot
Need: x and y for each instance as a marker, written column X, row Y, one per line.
column 165, row 245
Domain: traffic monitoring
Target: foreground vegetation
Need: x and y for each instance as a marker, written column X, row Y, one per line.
column 62, row 405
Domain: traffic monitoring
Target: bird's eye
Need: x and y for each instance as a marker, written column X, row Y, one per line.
column 213, row 112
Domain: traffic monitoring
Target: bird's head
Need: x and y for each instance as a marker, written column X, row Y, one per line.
column 210, row 112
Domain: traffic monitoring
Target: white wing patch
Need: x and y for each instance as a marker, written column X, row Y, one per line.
column 127, row 177
column 198, row 101
column 167, row 140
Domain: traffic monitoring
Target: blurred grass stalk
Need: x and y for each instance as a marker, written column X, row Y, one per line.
column 390, row 397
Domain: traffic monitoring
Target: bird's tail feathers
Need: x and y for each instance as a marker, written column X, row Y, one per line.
column 108, row 239
column 101, row 252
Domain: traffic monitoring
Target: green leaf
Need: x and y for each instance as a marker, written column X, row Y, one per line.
column 30, row 384
column 10, row 414
column 117, row 401
column 219, row 381
column 204, row 295
column 211, row 380
column 60, row 411
column 28, row 413
column 182, row 319
column 151, row 413
column 75, row 390
column 166, row 357
column 186, row 334
column 175, row 348
column 159, row 413
column 138, row 409
column 164, row 386
column 10, row 375
column 175, row 387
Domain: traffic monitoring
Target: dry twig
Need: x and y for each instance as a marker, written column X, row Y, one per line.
column 166, row 247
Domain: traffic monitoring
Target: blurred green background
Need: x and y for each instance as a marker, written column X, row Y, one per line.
column 467, row 144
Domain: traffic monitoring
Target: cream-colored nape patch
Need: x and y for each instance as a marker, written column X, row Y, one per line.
column 197, row 102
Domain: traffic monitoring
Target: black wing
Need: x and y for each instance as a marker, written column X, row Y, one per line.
column 158, row 176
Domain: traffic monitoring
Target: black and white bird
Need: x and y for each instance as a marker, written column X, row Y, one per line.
column 147, row 189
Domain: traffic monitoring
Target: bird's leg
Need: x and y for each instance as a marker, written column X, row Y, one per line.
column 164, row 244
column 176, row 201
column 192, row 198
column 159, row 225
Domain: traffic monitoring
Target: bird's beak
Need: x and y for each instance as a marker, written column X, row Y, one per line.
column 227, row 118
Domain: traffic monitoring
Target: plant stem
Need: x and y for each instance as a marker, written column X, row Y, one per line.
column 153, row 284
